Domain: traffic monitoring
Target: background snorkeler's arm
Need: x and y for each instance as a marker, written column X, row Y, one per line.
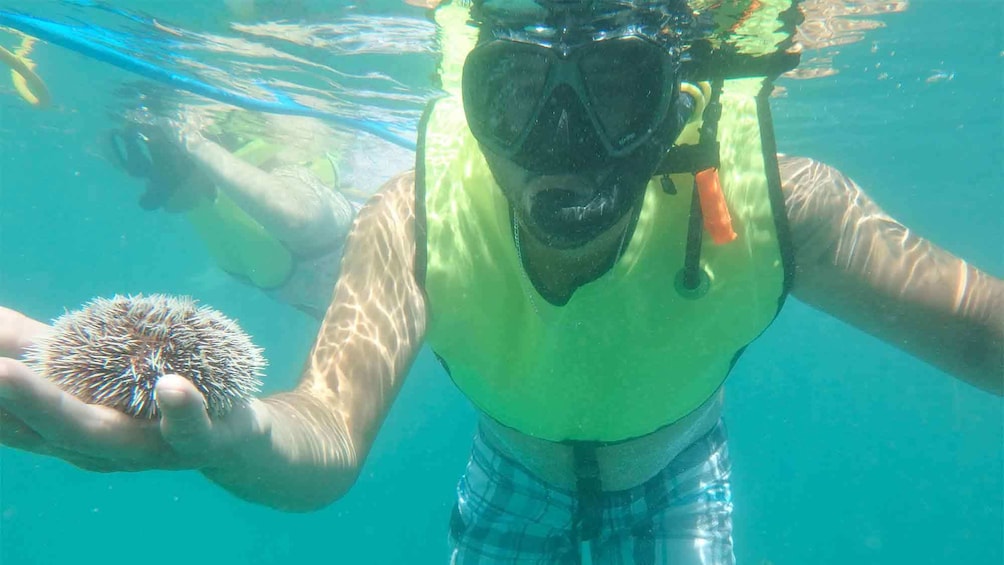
column 858, row 264
column 288, row 207
column 323, row 430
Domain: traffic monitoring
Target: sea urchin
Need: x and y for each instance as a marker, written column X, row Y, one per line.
column 112, row 351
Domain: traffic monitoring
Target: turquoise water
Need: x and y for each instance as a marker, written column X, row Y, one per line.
column 845, row 450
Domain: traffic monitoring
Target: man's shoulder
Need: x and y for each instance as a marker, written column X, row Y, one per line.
column 812, row 188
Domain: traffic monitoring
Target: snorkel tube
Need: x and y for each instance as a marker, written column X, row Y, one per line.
column 80, row 39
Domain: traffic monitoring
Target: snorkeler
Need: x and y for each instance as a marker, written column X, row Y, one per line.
column 268, row 215
column 597, row 226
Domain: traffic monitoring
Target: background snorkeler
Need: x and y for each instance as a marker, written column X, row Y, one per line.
column 272, row 198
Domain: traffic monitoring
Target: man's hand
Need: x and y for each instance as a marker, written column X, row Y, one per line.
column 35, row 415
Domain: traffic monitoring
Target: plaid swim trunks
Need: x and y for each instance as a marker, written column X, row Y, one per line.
column 682, row 516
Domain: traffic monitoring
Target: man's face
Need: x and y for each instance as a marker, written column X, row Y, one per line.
column 571, row 135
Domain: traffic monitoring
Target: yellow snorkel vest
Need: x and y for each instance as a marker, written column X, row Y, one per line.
column 631, row 351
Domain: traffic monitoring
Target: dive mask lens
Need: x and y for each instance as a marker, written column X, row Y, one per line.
column 626, row 89
column 504, row 86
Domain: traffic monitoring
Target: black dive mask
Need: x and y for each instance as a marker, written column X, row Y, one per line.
column 559, row 109
column 589, row 119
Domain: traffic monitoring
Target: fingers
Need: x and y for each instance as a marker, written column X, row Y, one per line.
column 38, row 403
column 14, row 433
column 47, row 420
column 184, row 422
column 17, row 331
column 35, row 415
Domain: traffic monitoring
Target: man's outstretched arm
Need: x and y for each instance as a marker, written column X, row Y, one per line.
column 295, row 451
column 856, row 263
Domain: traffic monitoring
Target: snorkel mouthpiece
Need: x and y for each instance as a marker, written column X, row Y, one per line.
column 565, row 218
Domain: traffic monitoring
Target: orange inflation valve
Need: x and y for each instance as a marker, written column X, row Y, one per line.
column 717, row 220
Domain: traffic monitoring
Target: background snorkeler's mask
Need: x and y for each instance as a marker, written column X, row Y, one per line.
column 560, row 86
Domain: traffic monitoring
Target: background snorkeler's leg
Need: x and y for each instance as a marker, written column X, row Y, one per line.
column 682, row 516
column 335, row 212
